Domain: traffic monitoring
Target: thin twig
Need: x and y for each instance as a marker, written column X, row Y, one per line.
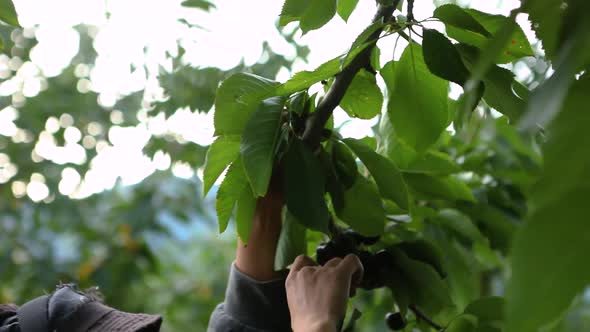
column 317, row 120
column 406, row 37
column 395, row 46
column 425, row 318
column 414, row 31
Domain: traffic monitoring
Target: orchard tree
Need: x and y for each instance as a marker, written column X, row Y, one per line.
column 130, row 240
column 451, row 196
column 451, row 203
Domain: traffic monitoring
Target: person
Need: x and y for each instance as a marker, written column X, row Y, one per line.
column 69, row 309
column 317, row 295
column 310, row 298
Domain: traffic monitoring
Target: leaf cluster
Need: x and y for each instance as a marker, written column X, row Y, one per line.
column 452, row 187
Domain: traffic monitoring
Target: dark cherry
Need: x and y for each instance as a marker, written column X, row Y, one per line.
column 325, row 252
column 395, row 321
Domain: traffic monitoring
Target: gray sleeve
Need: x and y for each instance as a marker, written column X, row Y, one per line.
column 251, row 306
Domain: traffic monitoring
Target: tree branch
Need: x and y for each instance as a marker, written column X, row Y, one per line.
column 411, row 10
column 317, row 120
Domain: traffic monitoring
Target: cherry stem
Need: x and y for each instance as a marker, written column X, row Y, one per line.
column 425, row 318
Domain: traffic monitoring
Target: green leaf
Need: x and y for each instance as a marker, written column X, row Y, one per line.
column 237, row 98
column 434, row 163
column 369, row 141
column 499, row 92
column 375, row 58
column 545, row 17
column 463, row 323
column 387, row 72
column 392, row 208
column 185, row 86
column 350, row 326
column 387, row 176
column 201, row 4
column 494, row 223
column 311, row 14
column 220, row 154
column 460, row 225
column 463, row 275
column 392, row 146
column 304, row 187
column 427, row 290
column 5, row 40
column 493, row 49
column 448, row 188
column 487, row 309
column 8, row 13
column 344, row 164
column 345, row 8
column 317, row 14
column 499, row 85
column 567, row 137
column 401, row 293
column 334, row 185
column 544, row 260
column 362, row 208
column 363, row 98
column 547, row 99
column 418, row 214
column 520, row 143
column 574, row 17
column 418, row 102
column 293, row 10
column 550, row 251
column 487, row 328
column 231, row 189
column 454, row 16
column 426, row 252
column 304, row 79
column 259, row 142
column 442, row 58
column 465, row 30
column 292, row 242
column 297, row 102
column 245, row 214
column 459, row 112
column 362, row 41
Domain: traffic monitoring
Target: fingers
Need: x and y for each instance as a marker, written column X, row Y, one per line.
column 352, row 266
column 300, row 262
column 333, row 262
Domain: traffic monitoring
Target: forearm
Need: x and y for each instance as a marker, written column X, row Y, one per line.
column 256, row 259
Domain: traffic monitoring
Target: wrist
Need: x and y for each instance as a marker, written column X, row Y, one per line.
column 317, row 326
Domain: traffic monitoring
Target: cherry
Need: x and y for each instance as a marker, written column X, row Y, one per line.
column 384, row 258
column 395, row 321
column 371, row 277
column 325, row 252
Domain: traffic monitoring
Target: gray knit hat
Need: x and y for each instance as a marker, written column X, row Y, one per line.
column 69, row 310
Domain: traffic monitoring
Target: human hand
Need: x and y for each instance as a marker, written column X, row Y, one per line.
column 317, row 295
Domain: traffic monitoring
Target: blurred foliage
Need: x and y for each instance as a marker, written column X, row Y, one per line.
column 150, row 246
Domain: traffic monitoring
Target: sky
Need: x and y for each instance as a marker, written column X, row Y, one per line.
column 232, row 32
